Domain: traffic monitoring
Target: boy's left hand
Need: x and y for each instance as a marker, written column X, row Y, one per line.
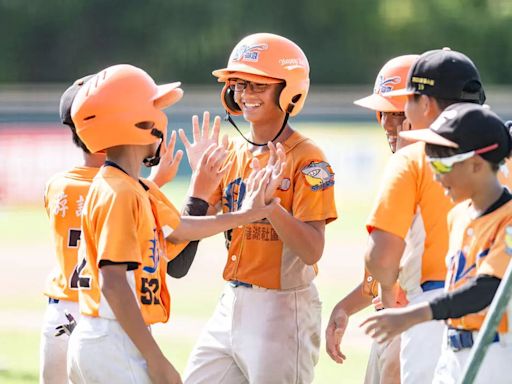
column 167, row 169
column 386, row 324
column 275, row 167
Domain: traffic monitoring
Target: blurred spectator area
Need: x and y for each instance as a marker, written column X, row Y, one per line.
column 34, row 145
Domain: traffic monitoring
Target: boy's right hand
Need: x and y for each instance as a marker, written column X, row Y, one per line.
column 161, row 371
column 202, row 138
column 209, row 172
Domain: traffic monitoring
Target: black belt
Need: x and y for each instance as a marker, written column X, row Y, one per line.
column 459, row 339
column 51, row 300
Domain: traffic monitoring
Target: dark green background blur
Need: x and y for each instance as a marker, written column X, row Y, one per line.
column 345, row 40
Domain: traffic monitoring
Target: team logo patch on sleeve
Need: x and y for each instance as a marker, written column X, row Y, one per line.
column 318, row 175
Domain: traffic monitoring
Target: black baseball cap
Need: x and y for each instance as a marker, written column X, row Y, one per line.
column 66, row 100
column 467, row 127
column 444, row 74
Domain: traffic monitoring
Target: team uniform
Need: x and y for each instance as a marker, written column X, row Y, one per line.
column 120, row 225
column 266, row 327
column 63, row 200
column 410, row 201
column 477, row 247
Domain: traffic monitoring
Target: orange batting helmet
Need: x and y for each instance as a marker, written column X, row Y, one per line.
column 267, row 58
column 122, row 105
column 393, row 75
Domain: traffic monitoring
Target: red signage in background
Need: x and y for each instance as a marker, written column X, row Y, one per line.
column 29, row 155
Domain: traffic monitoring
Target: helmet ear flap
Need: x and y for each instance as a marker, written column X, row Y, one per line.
column 227, row 97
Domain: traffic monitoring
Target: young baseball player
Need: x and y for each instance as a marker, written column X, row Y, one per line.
column 266, row 327
column 64, row 198
column 384, row 361
column 409, row 194
column 122, row 280
column 465, row 146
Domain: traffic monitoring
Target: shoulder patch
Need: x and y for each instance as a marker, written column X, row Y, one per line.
column 318, row 175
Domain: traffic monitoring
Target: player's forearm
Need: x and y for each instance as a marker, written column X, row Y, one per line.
column 196, row 228
column 355, row 301
column 116, row 290
column 383, row 255
column 304, row 239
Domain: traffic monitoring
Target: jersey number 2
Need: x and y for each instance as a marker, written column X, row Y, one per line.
column 78, row 280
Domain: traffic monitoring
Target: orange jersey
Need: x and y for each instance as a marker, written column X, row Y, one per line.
column 478, row 247
column 63, row 200
column 256, row 255
column 410, row 198
column 505, row 176
column 120, row 224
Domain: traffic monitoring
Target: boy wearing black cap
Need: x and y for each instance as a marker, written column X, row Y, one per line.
column 465, row 146
column 409, row 195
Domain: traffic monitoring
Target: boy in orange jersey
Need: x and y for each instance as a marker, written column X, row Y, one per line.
column 384, row 361
column 408, row 194
column 122, row 282
column 465, row 147
column 64, row 198
column 266, row 327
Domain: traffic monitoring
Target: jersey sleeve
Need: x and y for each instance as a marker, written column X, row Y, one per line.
column 313, row 197
column 495, row 262
column 116, row 229
column 168, row 217
column 395, row 206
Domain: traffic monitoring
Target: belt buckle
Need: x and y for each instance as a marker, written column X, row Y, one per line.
column 459, row 339
column 237, row 283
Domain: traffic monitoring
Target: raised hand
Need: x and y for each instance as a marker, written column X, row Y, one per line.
column 209, row 172
column 167, row 169
column 275, row 166
column 202, row 138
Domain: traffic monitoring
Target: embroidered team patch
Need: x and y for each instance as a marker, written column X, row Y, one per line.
column 318, row 175
column 508, row 240
column 249, row 52
column 383, row 85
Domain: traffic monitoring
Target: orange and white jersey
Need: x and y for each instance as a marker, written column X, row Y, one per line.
column 478, row 247
column 120, row 224
column 256, row 255
column 63, row 200
column 505, row 174
column 411, row 205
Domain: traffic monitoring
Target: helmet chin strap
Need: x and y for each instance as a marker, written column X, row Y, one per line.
column 154, row 160
column 230, row 119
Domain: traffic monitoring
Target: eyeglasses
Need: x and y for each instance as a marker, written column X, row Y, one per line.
column 240, row 85
column 444, row 165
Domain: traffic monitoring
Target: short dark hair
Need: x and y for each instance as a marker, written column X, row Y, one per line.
column 76, row 140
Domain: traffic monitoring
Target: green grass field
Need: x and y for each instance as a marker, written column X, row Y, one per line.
column 356, row 153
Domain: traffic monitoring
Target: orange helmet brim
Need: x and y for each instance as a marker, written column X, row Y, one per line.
column 245, row 72
column 380, row 103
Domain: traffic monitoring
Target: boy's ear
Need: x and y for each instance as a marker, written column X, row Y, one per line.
column 478, row 163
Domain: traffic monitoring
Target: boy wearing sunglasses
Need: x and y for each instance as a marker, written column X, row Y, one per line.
column 408, row 193
column 465, row 147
